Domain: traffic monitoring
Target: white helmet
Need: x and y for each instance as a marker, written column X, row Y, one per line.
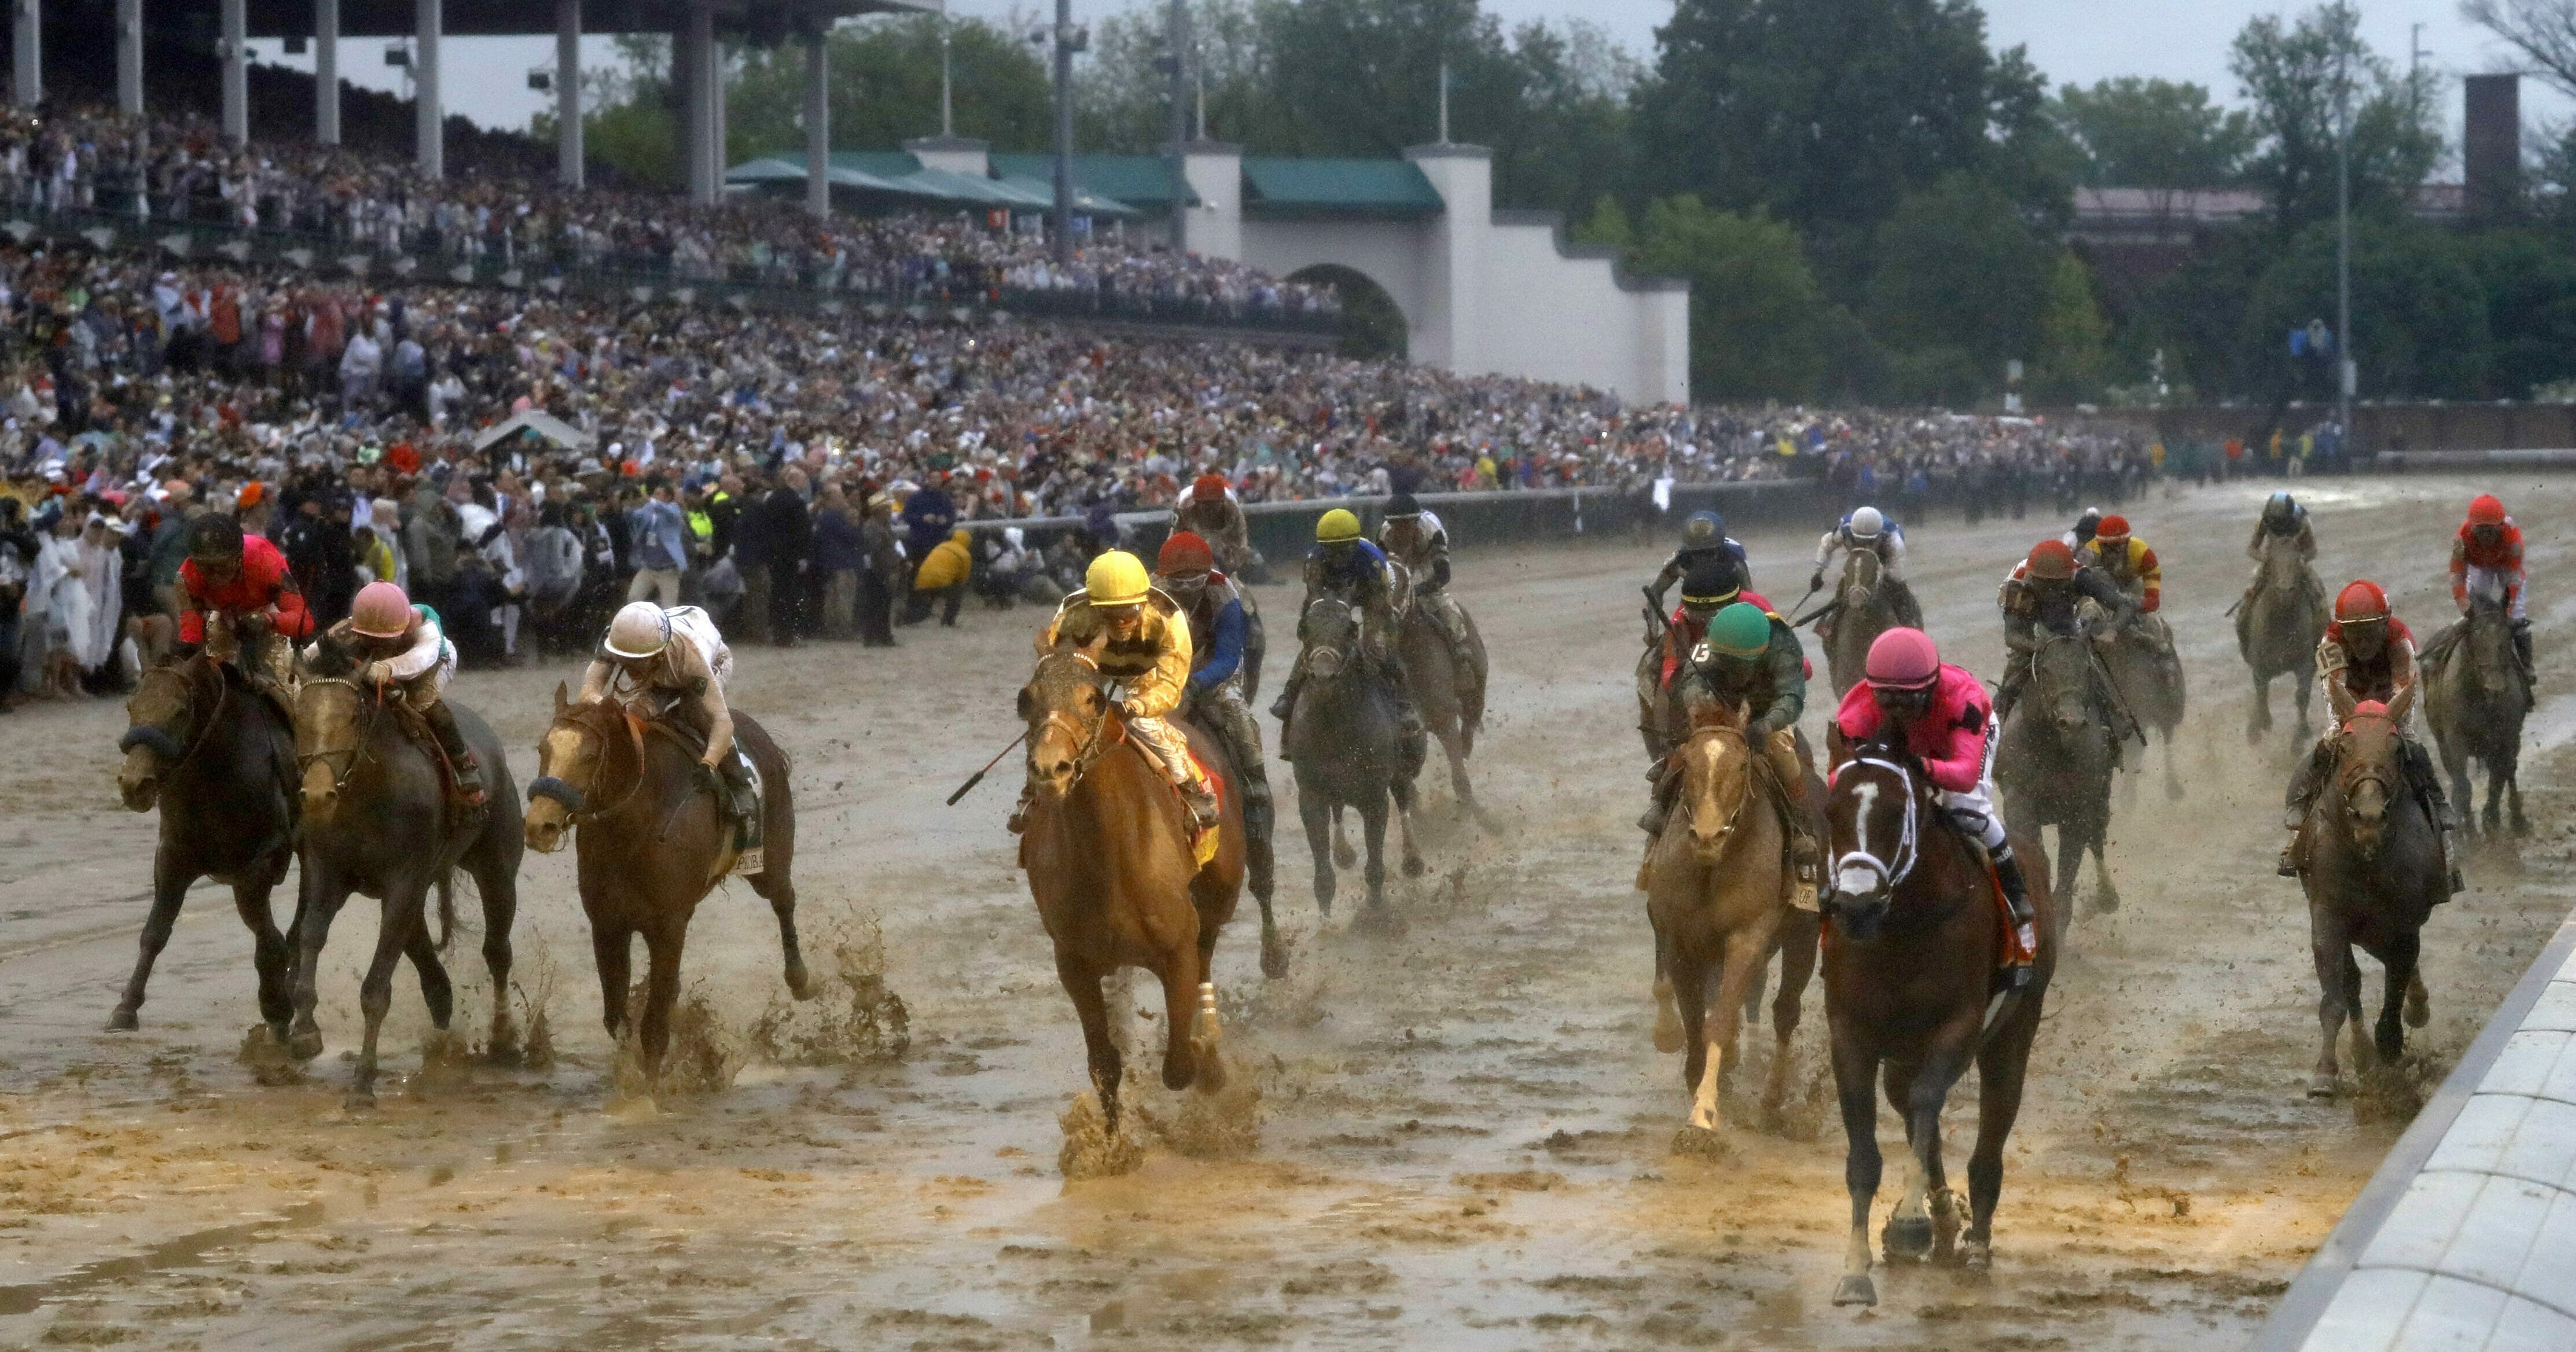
column 1867, row 523
column 640, row 630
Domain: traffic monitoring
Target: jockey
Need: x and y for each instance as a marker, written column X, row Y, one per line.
column 676, row 654
column 2085, row 528
column 1345, row 567
column 245, row 581
column 1942, row 713
column 2367, row 654
column 2039, row 599
column 1416, row 539
column 401, row 645
column 2282, row 518
column 1869, row 528
column 1750, row 658
column 1143, row 644
column 1710, row 587
column 1703, row 539
column 1185, row 571
column 1209, row 509
column 2488, row 550
column 2127, row 562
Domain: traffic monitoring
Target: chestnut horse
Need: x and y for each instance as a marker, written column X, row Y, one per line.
column 651, row 842
column 1913, row 940
column 2374, row 873
column 1109, row 859
column 1717, row 896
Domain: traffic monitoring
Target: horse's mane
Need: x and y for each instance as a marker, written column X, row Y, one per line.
column 327, row 657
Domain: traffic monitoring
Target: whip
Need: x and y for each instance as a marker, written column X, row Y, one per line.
column 978, row 777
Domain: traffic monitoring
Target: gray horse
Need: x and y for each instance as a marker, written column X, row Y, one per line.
column 1348, row 746
column 2475, row 700
column 1864, row 607
column 2278, row 627
column 2374, row 873
column 378, row 820
column 1451, row 700
column 2053, row 765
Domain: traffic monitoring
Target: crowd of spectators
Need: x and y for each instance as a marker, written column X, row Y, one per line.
column 147, row 170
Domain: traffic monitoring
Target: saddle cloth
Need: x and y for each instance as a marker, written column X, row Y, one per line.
column 1202, row 841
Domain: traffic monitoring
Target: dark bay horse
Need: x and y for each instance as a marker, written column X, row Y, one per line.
column 2277, row 631
column 1117, row 883
column 1347, row 744
column 651, row 842
column 1863, row 610
column 2140, row 659
column 2374, row 873
column 1912, row 941
column 1451, row 701
column 2053, row 764
column 217, row 756
column 1717, row 894
column 2475, row 702
column 378, row 820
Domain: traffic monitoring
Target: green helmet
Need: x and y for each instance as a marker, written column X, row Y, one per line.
column 1740, row 630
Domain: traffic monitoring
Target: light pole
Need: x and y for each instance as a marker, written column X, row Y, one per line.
column 1064, row 132
column 2344, row 370
column 1178, row 40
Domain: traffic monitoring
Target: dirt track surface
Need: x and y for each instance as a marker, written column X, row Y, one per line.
column 1464, row 1138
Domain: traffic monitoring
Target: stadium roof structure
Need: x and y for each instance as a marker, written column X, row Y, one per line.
column 1140, row 181
column 899, row 178
column 1337, row 187
column 490, row 18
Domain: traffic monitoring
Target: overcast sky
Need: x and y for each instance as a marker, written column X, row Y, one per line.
column 2078, row 41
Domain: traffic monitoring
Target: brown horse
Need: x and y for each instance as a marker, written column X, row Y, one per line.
column 2374, row 873
column 2277, row 629
column 651, row 842
column 1110, row 864
column 1717, row 896
column 1912, row 944
column 1863, row 609
column 2475, row 702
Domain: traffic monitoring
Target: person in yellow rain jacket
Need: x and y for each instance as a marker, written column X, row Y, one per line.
column 942, row 575
column 1143, row 645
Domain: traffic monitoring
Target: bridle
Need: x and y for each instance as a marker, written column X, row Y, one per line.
column 356, row 751
column 1090, row 741
column 158, row 738
column 1899, row 865
column 2357, row 772
column 584, row 719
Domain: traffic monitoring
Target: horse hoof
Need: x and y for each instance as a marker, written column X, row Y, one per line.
column 1668, row 1030
column 2106, row 903
column 1274, row 957
column 799, row 984
column 1210, row 1071
column 359, row 1101
column 1414, row 867
column 1976, row 1255
column 505, row 1055
column 1855, row 1290
column 1906, row 1237
column 123, row 1020
column 304, row 1046
column 1345, row 857
column 2321, row 1086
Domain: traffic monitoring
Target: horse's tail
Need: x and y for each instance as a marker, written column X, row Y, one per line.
column 446, row 909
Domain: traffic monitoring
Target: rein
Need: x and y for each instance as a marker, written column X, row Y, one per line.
column 159, row 739
column 356, row 751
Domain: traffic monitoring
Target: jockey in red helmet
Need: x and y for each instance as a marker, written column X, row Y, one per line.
column 1947, row 723
column 2039, row 600
column 2486, row 555
column 2366, row 656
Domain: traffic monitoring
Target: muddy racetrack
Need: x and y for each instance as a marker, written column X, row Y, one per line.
column 1455, row 1137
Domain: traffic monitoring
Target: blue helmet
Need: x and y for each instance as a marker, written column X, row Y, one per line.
column 1702, row 530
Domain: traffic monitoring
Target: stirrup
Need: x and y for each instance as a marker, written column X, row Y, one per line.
column 2288, row 864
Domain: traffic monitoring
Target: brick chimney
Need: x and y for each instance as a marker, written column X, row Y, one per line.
column 2491, row 147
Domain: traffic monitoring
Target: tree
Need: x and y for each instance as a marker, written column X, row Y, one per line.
column 1756, row 312
column 1829, row 112
column 2145, row 133
column 2073, row 340
column 1959, row 288
column 2529, row 281
column 885, row 89
column 1122, row 102
column 2295, row 75
column 2420, row 312
column 2542, row 30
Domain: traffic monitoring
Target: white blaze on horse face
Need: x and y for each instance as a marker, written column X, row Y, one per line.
column 1853, row 878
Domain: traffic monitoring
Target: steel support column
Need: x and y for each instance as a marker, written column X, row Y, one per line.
column 326, row 72
column 568, row 150
column 430, row 153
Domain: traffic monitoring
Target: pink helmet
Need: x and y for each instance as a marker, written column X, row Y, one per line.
column 1903, row 659
column 381, row 611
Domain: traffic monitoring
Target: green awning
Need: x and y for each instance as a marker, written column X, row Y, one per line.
column 1142, row 183
column 1330, row 187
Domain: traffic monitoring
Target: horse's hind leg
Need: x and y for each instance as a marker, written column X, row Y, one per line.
column 1404, row 804
column 2106, row 898
column 1082, row 984
column 1320, row 830
column 781, row 893
column 499, row 888
column 2258, row 715
column 169, row 892
column 270, row 954
column 1798, row 942
column 2001, row 1065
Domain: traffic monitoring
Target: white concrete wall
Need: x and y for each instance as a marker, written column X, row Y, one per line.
column 1553, row 312
column 1215, row 173
column 1388, row 253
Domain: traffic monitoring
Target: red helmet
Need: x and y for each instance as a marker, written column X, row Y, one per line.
column 1184, row 552
column 1207, row 486
column 2361, row 603
column 2051, row 559
column 2112, row 528
column 1905, row 659
column 2486, row 509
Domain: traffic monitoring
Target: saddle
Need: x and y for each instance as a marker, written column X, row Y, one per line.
column 416, row 730
column 743, row 808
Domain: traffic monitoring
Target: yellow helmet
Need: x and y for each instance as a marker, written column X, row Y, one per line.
column 1337, row 525
column 1116, row 578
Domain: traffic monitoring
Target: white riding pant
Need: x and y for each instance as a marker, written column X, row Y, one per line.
column 1974, row 810
column 1165, row 744
column 2512, row 583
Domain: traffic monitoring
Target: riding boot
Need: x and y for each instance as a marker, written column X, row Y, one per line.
column 741, row 799
column 2016, row 974
column 1659, row 804
column 1201, row 799
column 1019, row 819
column 2304, row 787
column 2008, row 691
column 460, row 757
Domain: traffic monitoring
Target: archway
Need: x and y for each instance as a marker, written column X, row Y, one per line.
column 1372, row 327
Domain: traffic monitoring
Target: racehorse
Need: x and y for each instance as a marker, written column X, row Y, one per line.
column 1112, row 866
column 2475, row 701
column 2277, row 631
column 1862, row 611
column 651, row 841
column 2373, row 874
column 1717, row 896
column 1451, row 701
column 2150, row 683
column 378, row 819
column 1348, row 748
column 217, row 755
column 2053, row 764
column 1914, row 935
